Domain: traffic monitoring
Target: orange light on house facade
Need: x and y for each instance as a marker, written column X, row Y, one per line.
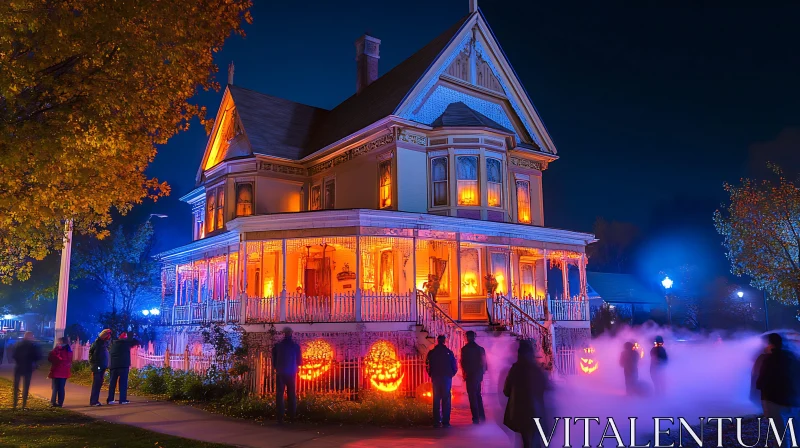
column 382, row 367
column 467, row 193
column 469, row 283
column 523, row 202
column 588, row 363
column 317, row 359
column 501, row 282
column 214, row 154
column 385, row 190
column 494, row 197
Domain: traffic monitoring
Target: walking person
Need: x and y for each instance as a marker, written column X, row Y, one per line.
column 441, row 366
column 286, row 360
column 525, row 386
column 473, row 367
column 658, row 361
column 60, row 369
column 629, row 361
column 98, row 361
column 119, row 366
column 26, row 358
column 776, row 381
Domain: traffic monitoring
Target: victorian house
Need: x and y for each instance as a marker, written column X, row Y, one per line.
column 411, row 209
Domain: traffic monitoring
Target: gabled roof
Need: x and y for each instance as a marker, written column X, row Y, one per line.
column 460, row 115
column 380, row 99
column 622, row 288
column 275, row 126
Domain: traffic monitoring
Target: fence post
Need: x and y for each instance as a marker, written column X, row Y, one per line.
column 225, row 310
column 243, row 304
column 186, row 359
column 166, row 357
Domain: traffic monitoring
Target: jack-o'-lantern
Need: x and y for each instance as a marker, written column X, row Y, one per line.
column 639, row 349
column 382, row 367
column 317, row 359
column 425, row 392
column 588, row 363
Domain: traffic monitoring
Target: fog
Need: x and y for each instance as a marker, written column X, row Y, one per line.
column 705, row 377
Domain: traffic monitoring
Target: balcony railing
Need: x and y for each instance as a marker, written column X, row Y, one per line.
column 570, row 309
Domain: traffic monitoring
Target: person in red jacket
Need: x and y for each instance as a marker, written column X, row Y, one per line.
column 60, row 369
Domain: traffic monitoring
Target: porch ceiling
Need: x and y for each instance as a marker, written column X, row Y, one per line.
column 403, row 224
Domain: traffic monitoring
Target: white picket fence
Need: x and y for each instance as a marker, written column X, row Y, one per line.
column 149, row 356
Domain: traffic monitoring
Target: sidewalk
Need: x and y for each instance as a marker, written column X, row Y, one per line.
column 186, row 421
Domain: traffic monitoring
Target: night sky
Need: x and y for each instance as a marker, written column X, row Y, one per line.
column 651, row 108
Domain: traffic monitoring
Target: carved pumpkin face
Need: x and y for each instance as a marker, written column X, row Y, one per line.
column 317, row 359
column 382, row 367
column 588, row 363
column 639, row 349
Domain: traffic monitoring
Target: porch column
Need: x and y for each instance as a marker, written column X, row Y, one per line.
column 546, row 293
column 282, row 311
column 177, row 284
column 243, row 272
column 509, row 273
column 565, row 277
column 414, row 276
column 358, row 280
column 225, row 283
column 458, row 276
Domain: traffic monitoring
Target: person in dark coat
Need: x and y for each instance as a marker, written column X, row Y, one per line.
column 119, row 366
column 286, row 360
column 776, row 381
column 525, row 386
column 26, row 358
column 98, row 361
column 60, row 369
column 658, row 361
column 629, row 361
column 441, row 367
column 473, row 366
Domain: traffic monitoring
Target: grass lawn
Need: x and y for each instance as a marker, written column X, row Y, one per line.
column 43, row 426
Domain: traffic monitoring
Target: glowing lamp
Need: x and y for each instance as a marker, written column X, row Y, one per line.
column 667, row 283
column 317, row 359
column 155, row 311
column 383, row 368
column 588, row 363
column 8, row 316
column 146, row 312
column 740, row 294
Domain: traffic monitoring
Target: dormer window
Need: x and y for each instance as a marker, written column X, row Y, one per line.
column 494, row 182
column 523, row 202
column 439, row 180
column 244, row 199
column 385, row 183
column 467, row 180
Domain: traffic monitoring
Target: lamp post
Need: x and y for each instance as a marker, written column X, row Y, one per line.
column 667, row 284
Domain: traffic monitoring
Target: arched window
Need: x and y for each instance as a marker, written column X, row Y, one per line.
column 523, row 201
column 439, row 180
column 467, row 180
column 385, row 180
column 494, row 182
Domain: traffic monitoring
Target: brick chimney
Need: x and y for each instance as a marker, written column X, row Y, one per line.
column 367, row 55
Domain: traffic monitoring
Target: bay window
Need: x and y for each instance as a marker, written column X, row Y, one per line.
column 244, row 199
column 439, row 179
column 494, row 182
column 385, row 183
column 467, row 180
column 524, row 201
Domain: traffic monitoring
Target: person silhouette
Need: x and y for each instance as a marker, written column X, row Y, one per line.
column 441, row 366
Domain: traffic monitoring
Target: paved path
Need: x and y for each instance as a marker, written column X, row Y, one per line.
column 186, row 421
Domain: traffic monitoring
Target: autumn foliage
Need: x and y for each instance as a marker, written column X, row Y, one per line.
column 761, row 230
column 88, row 88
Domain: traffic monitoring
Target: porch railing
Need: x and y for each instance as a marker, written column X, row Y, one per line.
column 263, row 310
column 436, row 322
column 387, row 307
column 533, row 307
column 312, row 309
column 506, row 313
column 570, row 309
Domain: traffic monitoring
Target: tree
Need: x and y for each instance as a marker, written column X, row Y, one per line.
column 761, row 230
column 613, row 250
column 88, row 88
column 123, row 269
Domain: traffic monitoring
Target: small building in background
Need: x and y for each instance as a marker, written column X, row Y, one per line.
column 633, row 301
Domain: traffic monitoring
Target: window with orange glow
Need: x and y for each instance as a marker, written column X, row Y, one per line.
column 220, row 207
column 244, row 199
column 385, row 173
column 467, row 180
column 524, row 201
column 211, row 207
column 494, row 182
column 316, row 197
column 470, row 272
column 500, row 271
column 439, row 178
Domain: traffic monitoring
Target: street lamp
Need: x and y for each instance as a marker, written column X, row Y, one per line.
column 667, row 284
column 155, row 311
column 146, row 312
column 740, row 294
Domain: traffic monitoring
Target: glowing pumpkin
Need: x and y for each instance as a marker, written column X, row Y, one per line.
column 639, row 349
column 425, row 392
column 588, row 363
column 317, row 359
column 382, row 367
